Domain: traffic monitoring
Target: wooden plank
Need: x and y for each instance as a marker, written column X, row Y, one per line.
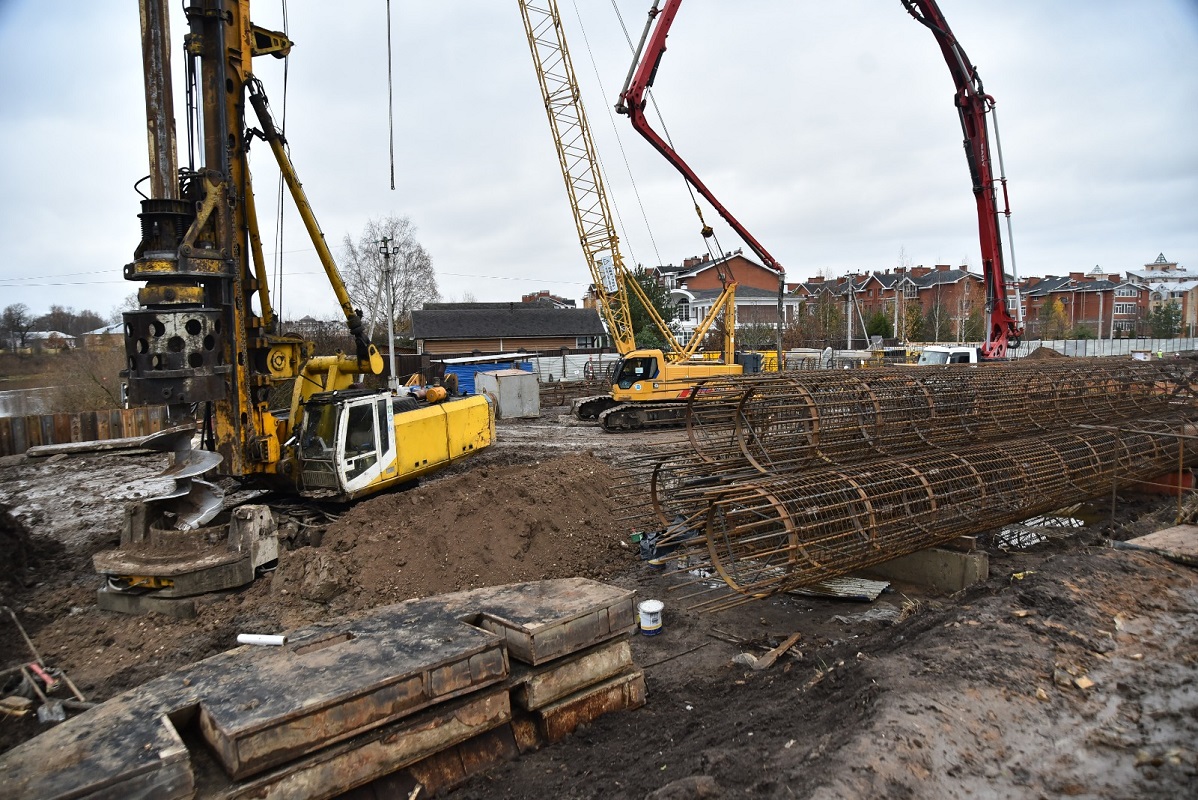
column 7, row 445
column 60, row 427
column 1179, row 543
column 103, row 425
column 96, row 446
column 87, row 427
column 20, row 436
column 128, row 428
column 33, row 429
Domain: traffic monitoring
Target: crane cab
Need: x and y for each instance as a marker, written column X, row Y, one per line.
column 356, row 442
column 646, row 375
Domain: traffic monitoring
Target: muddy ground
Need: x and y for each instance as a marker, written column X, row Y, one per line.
column 1070, row 672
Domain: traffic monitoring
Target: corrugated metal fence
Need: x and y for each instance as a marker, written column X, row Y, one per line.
column 18, row 434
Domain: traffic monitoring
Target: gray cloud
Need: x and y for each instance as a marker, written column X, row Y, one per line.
column 827, row 129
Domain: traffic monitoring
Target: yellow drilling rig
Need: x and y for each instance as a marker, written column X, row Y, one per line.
column 207, row 343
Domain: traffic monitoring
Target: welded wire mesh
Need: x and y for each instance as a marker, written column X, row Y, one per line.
column 797, row 418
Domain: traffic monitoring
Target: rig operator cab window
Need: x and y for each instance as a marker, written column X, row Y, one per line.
column 633, row 370
column 346, row 442
column 368, row 437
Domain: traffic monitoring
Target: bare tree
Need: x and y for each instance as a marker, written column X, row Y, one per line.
column 87, row 379
column 66, row 320
column 411, row 267
column 16, row 324
column 130, row 303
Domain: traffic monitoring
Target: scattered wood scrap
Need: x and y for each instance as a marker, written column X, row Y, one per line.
column 1179, row 544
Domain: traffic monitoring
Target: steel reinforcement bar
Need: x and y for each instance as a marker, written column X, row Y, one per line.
column 793, row 420
column 781, row 532
column 742, row 428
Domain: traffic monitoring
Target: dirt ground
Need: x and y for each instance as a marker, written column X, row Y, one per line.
column 1070, row 672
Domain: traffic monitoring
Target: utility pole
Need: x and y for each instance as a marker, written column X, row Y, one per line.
column 386, row 251
column 849, row 314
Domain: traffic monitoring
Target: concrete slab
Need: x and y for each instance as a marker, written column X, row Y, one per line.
column 937, row 569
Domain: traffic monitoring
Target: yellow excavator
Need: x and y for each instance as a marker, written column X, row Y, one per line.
column 649, row 386
column 197, row 344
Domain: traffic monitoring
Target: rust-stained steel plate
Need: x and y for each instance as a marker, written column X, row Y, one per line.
column 316, row 717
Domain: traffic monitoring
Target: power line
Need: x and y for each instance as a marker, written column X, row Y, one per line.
column 319, row 272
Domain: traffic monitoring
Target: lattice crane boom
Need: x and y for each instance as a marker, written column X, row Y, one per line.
column 579, row 162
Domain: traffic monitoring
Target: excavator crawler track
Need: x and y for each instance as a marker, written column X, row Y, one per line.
column 591, row 408
column 628, row 417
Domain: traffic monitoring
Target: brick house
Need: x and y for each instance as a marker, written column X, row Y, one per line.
column 442, row 328
column 695, row 285
column 954, row 293
column 1105, row 304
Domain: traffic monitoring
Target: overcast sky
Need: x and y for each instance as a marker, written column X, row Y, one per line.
column 826, row 128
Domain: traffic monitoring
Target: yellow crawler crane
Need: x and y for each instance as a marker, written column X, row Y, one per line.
column 197, row 345
column 649, row 386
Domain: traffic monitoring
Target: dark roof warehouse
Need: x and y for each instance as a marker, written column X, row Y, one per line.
column 495, row 327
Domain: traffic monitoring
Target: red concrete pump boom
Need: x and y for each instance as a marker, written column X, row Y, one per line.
column 1002, row 330
column 632, row 103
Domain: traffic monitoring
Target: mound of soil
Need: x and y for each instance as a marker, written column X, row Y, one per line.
column 490, row 525
column 1070, row 680
column 485, row 527
column 1041, row 353
column 21, row 556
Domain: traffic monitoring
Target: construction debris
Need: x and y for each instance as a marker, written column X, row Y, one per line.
column 1179, row 543
column 28, row 677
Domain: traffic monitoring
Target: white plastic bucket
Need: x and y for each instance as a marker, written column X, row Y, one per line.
column 650, row 613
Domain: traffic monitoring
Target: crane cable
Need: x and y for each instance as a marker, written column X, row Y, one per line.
column 706, row 230
column 623, row 154
column 390, row 99
column 279, row 207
